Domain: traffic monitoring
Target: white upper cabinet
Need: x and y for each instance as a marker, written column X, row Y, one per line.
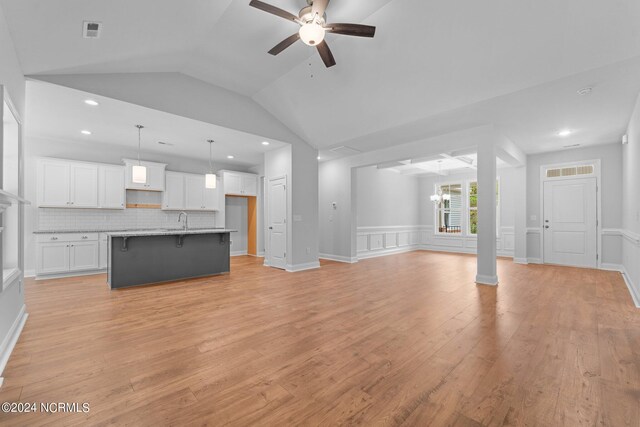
column 211, row 199
column 194, row 192
column 84, row 185
column 250, row 185
column 240, row 184
column 67, row 184
column 155, row 176
column 111, row 190
column 54, row 183
column 186, row 191
column 173, row 196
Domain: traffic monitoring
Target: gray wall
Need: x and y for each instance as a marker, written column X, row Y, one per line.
column 610, row 156
column 386, row 198
column 11, row 77
column 277, row 163
column 631, row 204
column 237, row 219
column 338, row 181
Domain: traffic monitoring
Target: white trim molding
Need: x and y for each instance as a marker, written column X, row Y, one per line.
column 487, row 280
column 387, row 240
column 302, row 267
column 467, row 244
column 339, row 258
column 9, row 342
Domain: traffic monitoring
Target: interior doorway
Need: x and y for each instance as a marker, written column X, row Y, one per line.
column 277, row 223
column 242, row 215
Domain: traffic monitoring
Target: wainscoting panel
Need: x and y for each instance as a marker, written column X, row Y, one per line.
column 390, row 240
column 377, row 241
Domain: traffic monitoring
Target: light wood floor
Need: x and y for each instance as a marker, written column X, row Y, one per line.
column 400, row 340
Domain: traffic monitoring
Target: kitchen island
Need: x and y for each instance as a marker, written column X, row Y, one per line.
column 154, row 256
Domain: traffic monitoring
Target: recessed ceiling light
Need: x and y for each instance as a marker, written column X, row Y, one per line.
column 565, row 132
column 319, row 158
column 585, row 91
column 91, row 102
column 85, row 132
column 265, row 142
column 229, row 157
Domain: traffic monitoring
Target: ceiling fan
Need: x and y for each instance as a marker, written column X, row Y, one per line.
column 313, row 26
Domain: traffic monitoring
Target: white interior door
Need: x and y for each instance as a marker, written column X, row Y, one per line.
column 570, row 222
column 277, row 228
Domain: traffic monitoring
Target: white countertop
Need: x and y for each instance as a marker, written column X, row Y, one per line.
column 172, row 232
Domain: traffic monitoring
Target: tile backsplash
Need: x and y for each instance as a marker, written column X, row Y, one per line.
column 56, row 219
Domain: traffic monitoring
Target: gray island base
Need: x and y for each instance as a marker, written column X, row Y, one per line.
column 148, row 257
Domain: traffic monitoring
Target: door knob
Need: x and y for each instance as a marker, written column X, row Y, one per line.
column 270, row 228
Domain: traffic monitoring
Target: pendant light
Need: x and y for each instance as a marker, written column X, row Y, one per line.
column 139, row 172
column 438, row 197
column 210, row 179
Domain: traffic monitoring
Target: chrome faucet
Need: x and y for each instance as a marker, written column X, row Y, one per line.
column 185, row 226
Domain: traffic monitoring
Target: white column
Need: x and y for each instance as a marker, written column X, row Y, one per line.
column 487, row 271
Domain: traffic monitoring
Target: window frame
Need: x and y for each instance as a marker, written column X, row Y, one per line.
column 436, row 209
column 498, row 206
column 465, row 231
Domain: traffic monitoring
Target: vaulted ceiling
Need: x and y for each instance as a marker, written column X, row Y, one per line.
column 434, row 66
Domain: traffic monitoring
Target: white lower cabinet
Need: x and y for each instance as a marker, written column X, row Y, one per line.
column 53, row 258
column 67, row 252
column 83, row 256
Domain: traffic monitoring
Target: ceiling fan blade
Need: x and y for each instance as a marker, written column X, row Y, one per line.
column 351, row 29
column 274, row 10
column 325, row 54
column 284, row 44
column 319, row 6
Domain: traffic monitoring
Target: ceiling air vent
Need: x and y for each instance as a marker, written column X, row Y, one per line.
column 344, row 151
column 91, row 29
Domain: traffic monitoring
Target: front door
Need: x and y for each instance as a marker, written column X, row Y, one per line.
column 570, row 226
column 277, row 228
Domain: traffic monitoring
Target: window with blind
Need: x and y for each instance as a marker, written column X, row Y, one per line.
column 449, row 209
column 473, row 207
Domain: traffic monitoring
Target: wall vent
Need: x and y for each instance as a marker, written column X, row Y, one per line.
column 91, row 29
column 570, row 171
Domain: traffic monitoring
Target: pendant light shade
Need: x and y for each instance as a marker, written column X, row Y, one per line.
column 139, row 172
column 210, row 179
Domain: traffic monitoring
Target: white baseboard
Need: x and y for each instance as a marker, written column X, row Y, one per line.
column 302, row 267
column 457, row 250
column 29, row 273
column 534, row 261
column 74, row 274
column 487, row 280
column 238, row 253
column 339, row 258
column 521, row 260
column 611, row 267
column 635, row 294
column 9, row 342
column 386, row 252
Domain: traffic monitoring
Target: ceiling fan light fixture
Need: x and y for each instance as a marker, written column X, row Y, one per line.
column 312, row 33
